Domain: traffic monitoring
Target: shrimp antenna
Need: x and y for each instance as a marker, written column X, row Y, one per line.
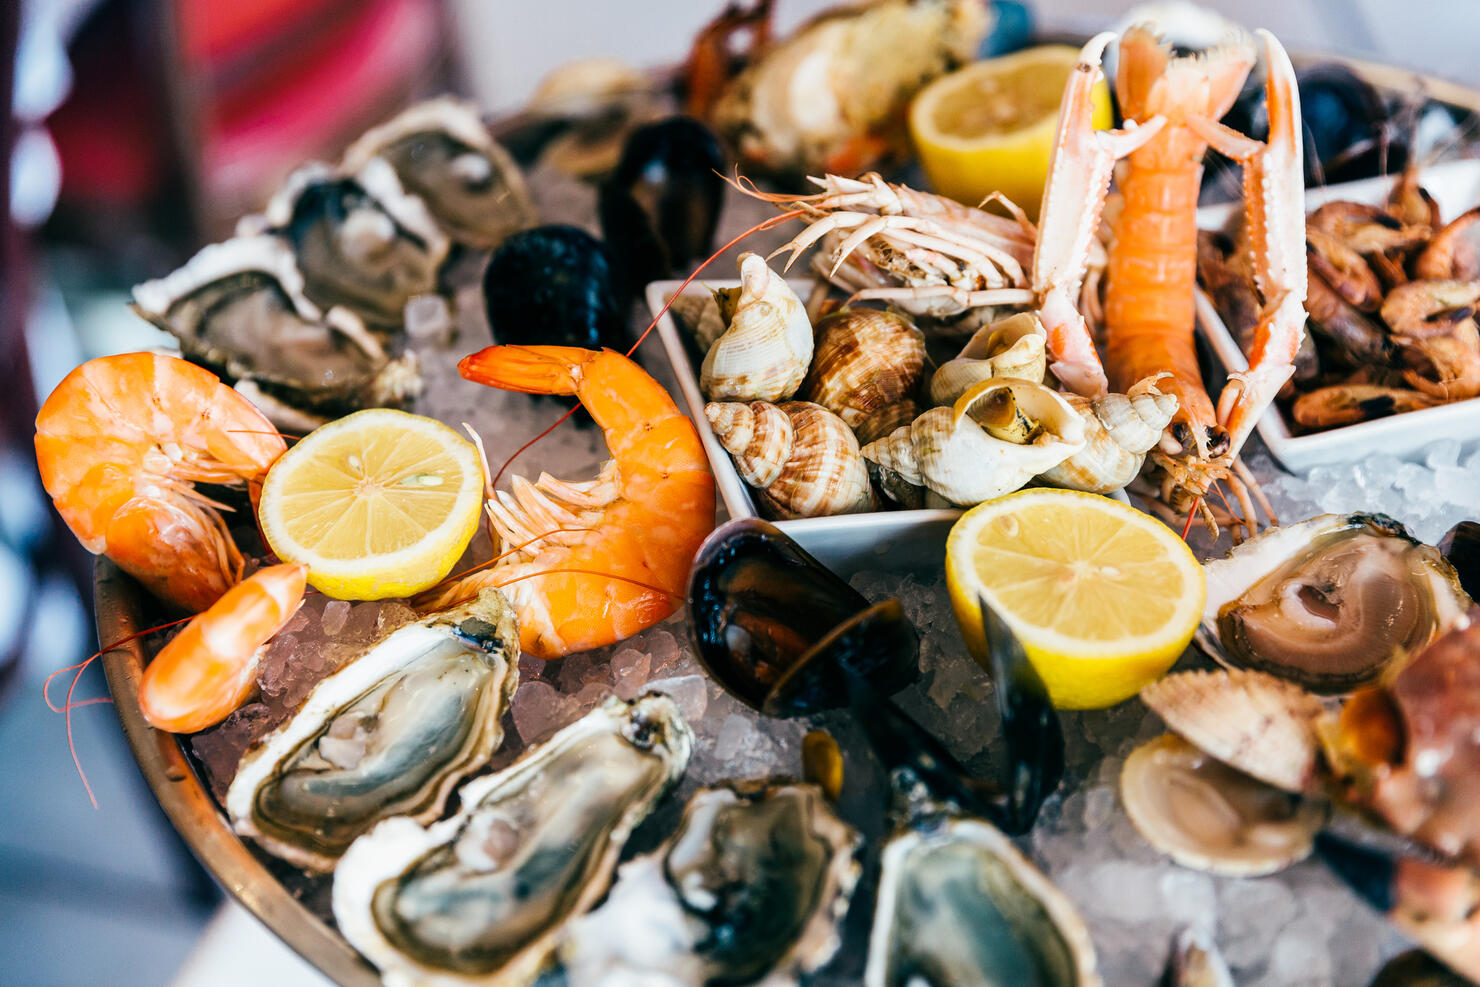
column 757, row 228
column 69, row 705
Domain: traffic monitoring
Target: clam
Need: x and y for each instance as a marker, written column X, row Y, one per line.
column 482, row 896
column 999, row 435
column 1207, row 816
column 767, row 345
column 1119, row 430
column 958, row 904
column 775, row 627
column 750, row 888
column 360, row 240
column 1328, row 602
column 389, row 734
column 238, row 308
column 866, row 366
column 1256, row 723
column 443, row 155
column 801, row 458
column 1016, row 346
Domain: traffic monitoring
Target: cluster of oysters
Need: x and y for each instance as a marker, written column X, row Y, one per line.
column 304, row 309
column 822, row 418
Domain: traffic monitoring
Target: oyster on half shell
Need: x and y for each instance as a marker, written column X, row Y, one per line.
column 238, row 308
column 360, row 240
column 482, row 896
column 389, row 734
column 444, row 155
column 1328, row 602
column 751, row 887
column 959, row 905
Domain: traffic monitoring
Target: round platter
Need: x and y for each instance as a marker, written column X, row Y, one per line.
column 1098, row 740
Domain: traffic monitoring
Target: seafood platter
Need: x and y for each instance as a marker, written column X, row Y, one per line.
column 423, row 616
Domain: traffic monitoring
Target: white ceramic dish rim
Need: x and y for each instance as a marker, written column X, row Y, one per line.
column 1456, row 186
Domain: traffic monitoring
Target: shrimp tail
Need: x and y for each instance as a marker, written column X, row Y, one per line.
column 526, row 369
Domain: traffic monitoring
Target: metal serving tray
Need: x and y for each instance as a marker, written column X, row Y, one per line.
column 892, row 540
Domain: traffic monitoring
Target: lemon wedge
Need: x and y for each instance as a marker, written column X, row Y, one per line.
column 989, row 127
column 1103, row 597
column 377, row 504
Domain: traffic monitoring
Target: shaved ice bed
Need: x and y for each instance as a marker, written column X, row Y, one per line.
column 1300, row 928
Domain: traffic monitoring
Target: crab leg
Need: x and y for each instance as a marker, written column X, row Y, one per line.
column 1078, row 178
column 1274, row 202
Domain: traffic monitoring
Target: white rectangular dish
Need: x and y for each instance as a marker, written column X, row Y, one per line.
column 894, row 540
column 1455, row 186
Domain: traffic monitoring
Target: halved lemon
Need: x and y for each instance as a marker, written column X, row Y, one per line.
column 378, row 504
column 1103, row 597
column 989, row 127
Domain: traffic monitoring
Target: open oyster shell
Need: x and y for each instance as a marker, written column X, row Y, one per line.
column 1328, row 602
column 443, row 154
column 238, row 307
column 481, row 897
column 389, row 734
column 360, row 240
column 751, row 887
column 959, row 905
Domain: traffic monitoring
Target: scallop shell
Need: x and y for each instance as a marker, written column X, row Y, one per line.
column 764, row 354
column 1207, row 816
column 1013, row 347
column 959, row 460
column 1119, row 430
column 1261, row 725
column 810, row 466
column 865, row 368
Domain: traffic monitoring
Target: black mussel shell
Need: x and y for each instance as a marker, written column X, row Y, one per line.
column 776, row 627
column 1461, row 547
column 552, row 285
column 1416, row 969
column 659, row 209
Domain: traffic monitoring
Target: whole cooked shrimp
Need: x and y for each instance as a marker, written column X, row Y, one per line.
column 210, row 668
column 593, row 562
column 121, row 444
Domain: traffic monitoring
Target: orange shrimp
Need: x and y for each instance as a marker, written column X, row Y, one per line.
column 597, row 561
column 120, row 445
column 210, row 668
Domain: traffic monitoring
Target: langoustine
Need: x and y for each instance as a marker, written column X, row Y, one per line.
column 121, row 444
column 589, row 563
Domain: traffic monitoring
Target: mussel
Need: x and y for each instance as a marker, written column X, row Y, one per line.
column 663, row 201
column 1328, row 602
column 750, row 888
column 552, row 284
column 1460, row 546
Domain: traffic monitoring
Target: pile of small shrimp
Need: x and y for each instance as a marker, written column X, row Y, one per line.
column 1392, row 298
column 124, row 441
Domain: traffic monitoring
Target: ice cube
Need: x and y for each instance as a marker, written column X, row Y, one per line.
column 539, row 710
column 1444, row 452
column 336, row 613
column 690, row 692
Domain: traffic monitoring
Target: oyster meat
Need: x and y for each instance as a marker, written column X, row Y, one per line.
column 360, row 240
column 1328, row 602
column 482, row 896
column 443, row 155
column 751, row 886
column 959, row 905
column 238, row 308
column 389, row 734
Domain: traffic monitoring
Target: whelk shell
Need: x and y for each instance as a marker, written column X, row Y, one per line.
column 1012, row 347
column 802, row 458
column 765, row 352
column 1119, row 430
column 1000, row 435
column 1261, row 725
column 865, row 367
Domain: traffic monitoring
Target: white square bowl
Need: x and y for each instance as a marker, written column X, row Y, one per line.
column 1455, row 186
column 847, row 543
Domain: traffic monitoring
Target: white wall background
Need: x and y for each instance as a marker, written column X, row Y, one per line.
column 511, row 44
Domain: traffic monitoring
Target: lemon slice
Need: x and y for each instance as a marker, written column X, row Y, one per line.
column 378, row 504
column 1103, row 597
column 989, row 127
